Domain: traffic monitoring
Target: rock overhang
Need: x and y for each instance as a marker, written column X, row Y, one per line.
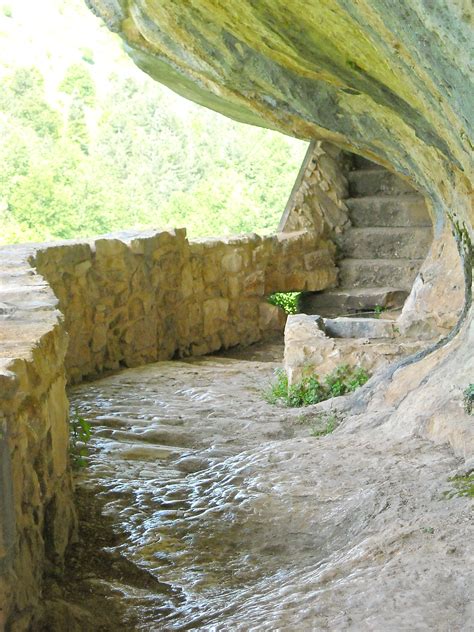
column 390, row 80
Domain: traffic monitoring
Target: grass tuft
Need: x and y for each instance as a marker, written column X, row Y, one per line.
column 330, row 422
column 463, row 485
column 311, row 390
column 80, row 434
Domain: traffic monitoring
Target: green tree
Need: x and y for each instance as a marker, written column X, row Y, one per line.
column 78, row 83
column 139, row 156
column 22, row 95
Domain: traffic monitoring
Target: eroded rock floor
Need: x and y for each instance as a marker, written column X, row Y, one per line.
column 218, row 511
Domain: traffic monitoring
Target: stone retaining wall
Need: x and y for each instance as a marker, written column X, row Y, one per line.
column 124, row 300
column 135, row 298
column 37, row 517
column 317, row 202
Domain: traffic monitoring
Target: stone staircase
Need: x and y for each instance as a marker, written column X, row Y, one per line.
column 382, row 252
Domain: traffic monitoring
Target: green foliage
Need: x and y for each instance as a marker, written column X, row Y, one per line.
column 22, row 98
column 7, row 11
column 311, row 390
column 77, row 126
column 378, row 310
column 130, row 159
column 308, row 391
column 468, row 399
column 463, row 486
column 289, row 301
column 345, row 379
column 325, row 424
column 78, row 83
column 278, row 391
column 80, row 434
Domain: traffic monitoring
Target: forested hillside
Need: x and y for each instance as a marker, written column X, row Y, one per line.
column 89, row 144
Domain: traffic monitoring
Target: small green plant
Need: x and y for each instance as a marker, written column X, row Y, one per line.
column 278, row 390
column 345, row 379
column 329, row 421
column 81, row 431
column 311, row 390
column 378, row 309
column 7, row 11
column 289, row 301
column 463, row 485
column 468, row 399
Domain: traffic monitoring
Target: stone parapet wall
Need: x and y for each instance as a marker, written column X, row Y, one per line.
column 123, row 300
column 37, row 516
column 135, row 298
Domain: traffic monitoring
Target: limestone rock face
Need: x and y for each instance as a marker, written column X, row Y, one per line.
column 387, row 80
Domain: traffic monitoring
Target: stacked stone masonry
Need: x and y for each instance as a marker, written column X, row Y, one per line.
column 131, row 299
column 37, row 519
column 317, row 202
column 123, row 300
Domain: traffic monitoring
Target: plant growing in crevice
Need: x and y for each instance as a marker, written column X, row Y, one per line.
column 463, row 485
column 468, row 399
column 80, row 434
column 378, row 310
column 326, row 423
column 345, row 379
column 278, row 390
column 312, row 390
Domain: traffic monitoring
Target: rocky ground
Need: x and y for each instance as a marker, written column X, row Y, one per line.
column 205, row 507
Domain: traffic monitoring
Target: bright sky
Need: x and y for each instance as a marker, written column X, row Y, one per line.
column 51, row 35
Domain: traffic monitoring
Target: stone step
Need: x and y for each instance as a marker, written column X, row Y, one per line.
column 376, row 182
column 352, row 300
column 364, row 273
column 354, row 327
column 388, row 210
column 359, row 162
column 385, row 242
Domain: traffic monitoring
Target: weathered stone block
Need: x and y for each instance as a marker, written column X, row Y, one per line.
column 232, row 262
column 271, row 318
column 359, row 328
column 215, row 314
column 254, row 284
column 309, row 349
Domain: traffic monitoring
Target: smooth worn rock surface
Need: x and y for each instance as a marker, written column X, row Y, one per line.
column 360, row 327
column 245, row 521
